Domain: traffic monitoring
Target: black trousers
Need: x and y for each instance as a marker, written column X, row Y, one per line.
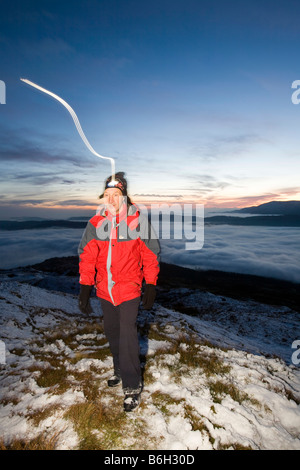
column 121, row 331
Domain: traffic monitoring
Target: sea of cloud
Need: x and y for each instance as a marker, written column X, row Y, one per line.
column 26, row 247
column 266, row 251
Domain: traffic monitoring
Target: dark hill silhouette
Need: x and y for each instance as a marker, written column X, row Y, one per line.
column 274, row 208
column 238, row 286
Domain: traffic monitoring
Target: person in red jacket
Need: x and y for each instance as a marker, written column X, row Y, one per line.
column 117, row 253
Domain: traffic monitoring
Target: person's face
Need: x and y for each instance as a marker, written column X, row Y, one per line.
column 113, row 199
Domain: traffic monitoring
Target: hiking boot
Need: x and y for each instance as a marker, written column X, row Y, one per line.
column 114, row 380
column 131, row 400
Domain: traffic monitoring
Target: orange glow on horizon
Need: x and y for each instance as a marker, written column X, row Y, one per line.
column 220, row 203
column 209, row 203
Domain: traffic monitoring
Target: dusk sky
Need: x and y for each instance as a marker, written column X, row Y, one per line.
column 191, row 98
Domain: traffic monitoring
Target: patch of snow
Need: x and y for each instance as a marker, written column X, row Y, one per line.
column 245, row 336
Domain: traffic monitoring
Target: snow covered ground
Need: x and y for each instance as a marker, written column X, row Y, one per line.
column 221, row 378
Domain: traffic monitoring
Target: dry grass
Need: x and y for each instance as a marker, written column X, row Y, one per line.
column 43, row 441
column 192, row 355
column 98, row 426
column 220, row 389
column 99, row 420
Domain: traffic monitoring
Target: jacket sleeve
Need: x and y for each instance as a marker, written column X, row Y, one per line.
column 88, row 251
column 150, row 250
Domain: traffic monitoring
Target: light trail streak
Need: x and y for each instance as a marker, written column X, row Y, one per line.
column 76, row 122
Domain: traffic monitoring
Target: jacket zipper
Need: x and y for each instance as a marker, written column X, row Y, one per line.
column 110, row 282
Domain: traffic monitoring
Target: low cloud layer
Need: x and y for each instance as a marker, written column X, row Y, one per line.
column 25, row 247
column 265, row 251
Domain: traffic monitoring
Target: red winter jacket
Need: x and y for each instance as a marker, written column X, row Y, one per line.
column 117, row 252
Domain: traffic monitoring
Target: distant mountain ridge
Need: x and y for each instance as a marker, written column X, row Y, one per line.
column 40, row 224
column 273, row 208
column 270, row 214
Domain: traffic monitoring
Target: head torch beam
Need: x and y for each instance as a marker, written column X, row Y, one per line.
column 76, row 122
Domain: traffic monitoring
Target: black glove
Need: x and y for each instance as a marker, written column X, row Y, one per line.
column 149, row 296
column 84, row 299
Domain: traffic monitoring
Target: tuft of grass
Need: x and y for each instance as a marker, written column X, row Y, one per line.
column 234, row 446
column 163, row 401
column 43, row 441
column 100, row 354
column 99, row 427
column 69, row 335
column 209, row 363
column 288, row 394
column 87, row 383
column 85, row 418
column 219, row 388
column 192, row 357
column 195, row 420
column 50, row 377
column 37, row 416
